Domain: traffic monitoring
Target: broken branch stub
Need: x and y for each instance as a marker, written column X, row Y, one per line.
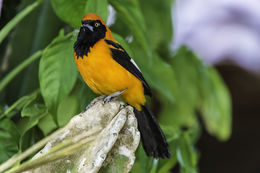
column 103, row 138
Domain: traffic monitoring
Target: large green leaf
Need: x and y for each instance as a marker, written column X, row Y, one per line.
column 159, row 23
column 201, row 88
column 161, row 77
column 216, row 106
column 73, row 11
column 174, row 115
column 57, row 72
column 9, row 139
column 189, row 72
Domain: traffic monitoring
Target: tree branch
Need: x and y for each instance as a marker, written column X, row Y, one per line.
column 104, row 137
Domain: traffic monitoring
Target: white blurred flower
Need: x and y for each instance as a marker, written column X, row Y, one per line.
column 112, row 16
column 220, row 30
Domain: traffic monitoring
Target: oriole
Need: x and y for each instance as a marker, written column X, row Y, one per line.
column 107, row 69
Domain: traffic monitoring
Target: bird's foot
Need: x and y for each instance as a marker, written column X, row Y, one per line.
column 94, row 101
column 113, row 95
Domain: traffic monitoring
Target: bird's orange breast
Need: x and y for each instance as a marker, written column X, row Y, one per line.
column 105, row 76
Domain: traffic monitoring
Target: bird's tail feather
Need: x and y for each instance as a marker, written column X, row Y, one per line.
column 153, row 139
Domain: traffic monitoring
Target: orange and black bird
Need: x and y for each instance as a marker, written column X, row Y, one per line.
column 108, row 70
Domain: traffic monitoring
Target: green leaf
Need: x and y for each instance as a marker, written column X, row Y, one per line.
column 174, row 115
column 99, row 7
column 162, row 77
column 47, row 124
column 31, row 115
column 167, row 165
column 136, row 167
column 57, row 72
column 216, row 106
column 73, row 11
column 130, row 13
column 9, row 139
column 19, row 104
column 67, row 109
column 186, row 155
column 189, row 72
column 200, row 87
column 159, row 23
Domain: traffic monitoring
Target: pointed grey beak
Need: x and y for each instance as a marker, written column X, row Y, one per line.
column 86, row 25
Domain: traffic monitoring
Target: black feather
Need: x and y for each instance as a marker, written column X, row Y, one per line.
column 153, row 139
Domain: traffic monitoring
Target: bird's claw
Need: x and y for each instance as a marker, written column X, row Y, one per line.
column 113, row 95
column 94, row 101
column 107, row 99
column 90, row 105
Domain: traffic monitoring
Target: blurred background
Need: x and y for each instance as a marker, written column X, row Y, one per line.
column 196, row 88
column 226, row 34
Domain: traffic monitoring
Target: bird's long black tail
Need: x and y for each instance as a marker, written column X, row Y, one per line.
column 153, row 139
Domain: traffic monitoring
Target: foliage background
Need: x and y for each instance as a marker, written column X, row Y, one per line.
column 47, row 89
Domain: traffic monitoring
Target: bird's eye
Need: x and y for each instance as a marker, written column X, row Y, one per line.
column 97, row 24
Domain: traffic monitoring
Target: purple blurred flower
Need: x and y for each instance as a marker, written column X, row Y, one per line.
column 1, row 7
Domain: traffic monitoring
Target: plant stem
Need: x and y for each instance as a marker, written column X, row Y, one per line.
column 11, row 24
column 19, row 68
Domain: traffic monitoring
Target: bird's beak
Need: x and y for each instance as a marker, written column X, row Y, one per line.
column 89, row 27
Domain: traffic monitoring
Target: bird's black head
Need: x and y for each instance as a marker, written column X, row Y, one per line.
column 91, row 31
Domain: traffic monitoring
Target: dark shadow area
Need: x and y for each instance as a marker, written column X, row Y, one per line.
column 241, row 153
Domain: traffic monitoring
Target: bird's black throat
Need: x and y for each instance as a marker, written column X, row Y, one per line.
column 87, row 39
column 83, row 44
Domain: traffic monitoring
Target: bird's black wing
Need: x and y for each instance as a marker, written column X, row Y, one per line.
column 120, row 55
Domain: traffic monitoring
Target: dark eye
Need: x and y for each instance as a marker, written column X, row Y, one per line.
column 97, row 24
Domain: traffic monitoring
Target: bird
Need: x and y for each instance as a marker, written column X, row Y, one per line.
column 108, row 70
